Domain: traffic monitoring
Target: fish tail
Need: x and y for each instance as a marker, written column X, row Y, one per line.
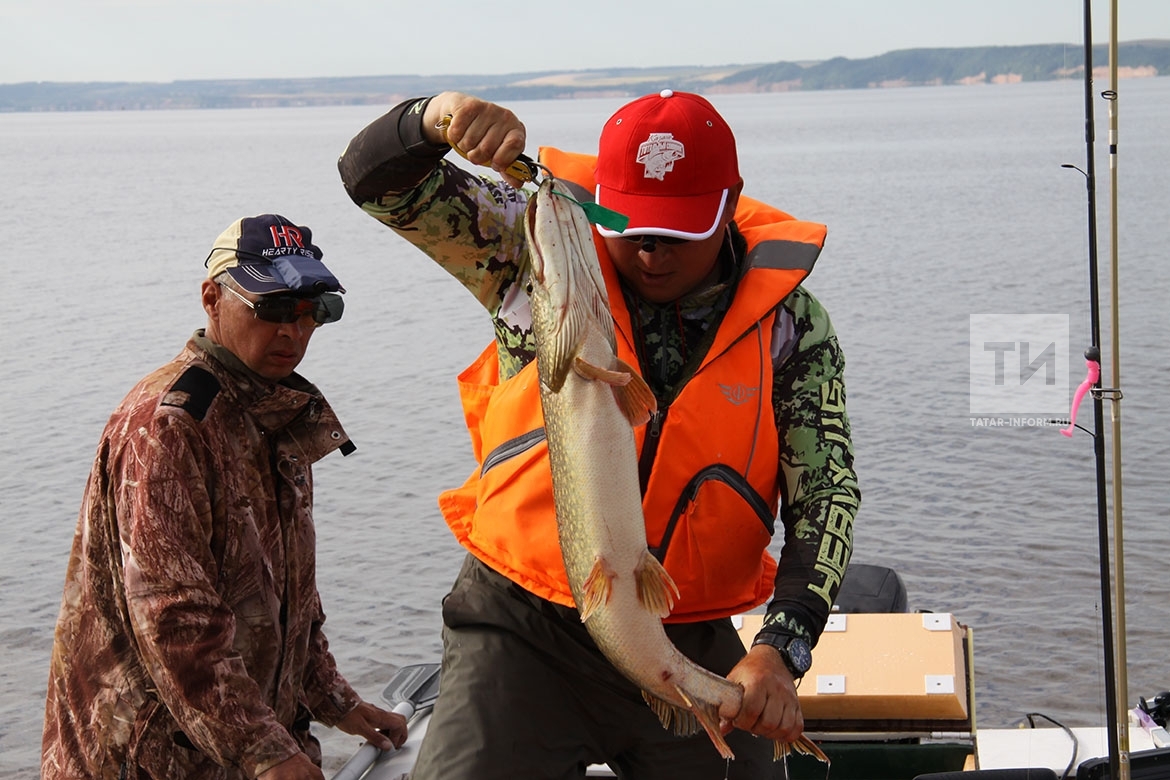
column 598, row 587
column 684, row 722
column 656, row 589
column 802, row 745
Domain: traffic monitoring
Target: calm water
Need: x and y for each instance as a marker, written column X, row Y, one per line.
column 942, row 203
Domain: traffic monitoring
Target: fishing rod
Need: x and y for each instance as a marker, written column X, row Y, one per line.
column 1115, row 396
column 1117, row 730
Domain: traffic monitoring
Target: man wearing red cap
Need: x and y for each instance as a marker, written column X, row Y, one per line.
column 704, row 287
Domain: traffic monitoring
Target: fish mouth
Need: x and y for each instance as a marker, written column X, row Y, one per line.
column 530, row 212
column 537, row 260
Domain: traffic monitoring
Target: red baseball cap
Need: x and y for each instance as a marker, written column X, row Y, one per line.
column 666, row 161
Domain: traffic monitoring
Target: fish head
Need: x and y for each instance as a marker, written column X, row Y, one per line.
column 563, row 257
column 549, row 281
column 557, row 231
column 567, row 289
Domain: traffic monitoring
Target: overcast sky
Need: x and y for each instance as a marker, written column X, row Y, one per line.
column 165, row 40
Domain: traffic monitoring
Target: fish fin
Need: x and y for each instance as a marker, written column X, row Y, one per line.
column 656, row 590
column 802, row 745
column 599, row 374
column 597, row 587
column 678, row 720
column 684, row 722
column 569, row 333
column 635, row 399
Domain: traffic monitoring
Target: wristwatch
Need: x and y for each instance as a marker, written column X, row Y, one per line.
column 794, row 651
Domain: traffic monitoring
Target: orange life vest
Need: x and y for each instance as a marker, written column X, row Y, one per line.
column 711, row 499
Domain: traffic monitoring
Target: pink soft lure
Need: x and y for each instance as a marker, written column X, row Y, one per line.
column 1092, row 374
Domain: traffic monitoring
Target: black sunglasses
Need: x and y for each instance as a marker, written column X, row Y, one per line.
column 323, row 308
column 650, row 242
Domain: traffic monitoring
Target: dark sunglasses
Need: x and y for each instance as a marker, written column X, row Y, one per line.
column 650, row 242
column 323, row 308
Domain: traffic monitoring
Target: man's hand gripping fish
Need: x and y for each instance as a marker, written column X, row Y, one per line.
column 591, row 401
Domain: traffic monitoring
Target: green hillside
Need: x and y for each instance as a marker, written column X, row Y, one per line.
column 907, row 67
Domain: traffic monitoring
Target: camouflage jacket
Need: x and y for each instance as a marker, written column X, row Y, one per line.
column 189, row 642
column 473, row 227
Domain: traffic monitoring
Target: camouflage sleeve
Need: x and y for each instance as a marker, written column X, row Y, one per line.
column 330, row 696
column 470, row 225
column 182, row 627
column 473, row 227
column 819, row 493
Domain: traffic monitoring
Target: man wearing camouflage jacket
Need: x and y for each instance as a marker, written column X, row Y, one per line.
column 189, row 643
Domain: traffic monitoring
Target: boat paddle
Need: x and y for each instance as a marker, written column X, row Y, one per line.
column 412, row 689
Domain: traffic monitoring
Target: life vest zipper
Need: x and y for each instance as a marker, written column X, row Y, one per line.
column 650, row 446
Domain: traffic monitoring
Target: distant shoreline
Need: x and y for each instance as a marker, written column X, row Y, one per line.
column 903, row 68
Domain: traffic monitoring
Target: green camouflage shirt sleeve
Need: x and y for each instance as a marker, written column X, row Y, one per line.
column 473, row 227
column 819, row 489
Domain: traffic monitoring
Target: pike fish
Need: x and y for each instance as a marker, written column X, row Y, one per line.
column 591, row 401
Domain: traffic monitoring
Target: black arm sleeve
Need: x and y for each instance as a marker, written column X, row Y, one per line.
column 390, row 154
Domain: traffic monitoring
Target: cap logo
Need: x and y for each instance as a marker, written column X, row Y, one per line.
column 286, row 235
column 286, row 240
column 658, row 153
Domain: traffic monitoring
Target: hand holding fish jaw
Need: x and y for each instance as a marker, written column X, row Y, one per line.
column 770, row 707
column 487, row 133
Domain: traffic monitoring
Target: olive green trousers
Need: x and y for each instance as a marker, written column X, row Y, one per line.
column 525, row 693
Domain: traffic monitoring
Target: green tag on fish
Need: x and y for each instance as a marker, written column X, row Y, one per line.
column 600, row 215
column 607, row 218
